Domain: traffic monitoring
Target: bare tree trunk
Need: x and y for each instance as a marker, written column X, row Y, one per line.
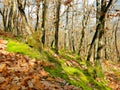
column 21, row 8
column 85, row 19
column 66, row 28
column 83, row 28
column 58, row 4
column 106, row 50
column 101, row 12
column 69, row 36
column 5, row 17
column 72, row 33
column 44, row 7
column 37, row 21
column 117, row 51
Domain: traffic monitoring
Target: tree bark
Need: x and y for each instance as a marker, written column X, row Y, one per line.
column 37, row 13
column 58, row 4
column 66, row 28
column 116, row 46
column 44, row 7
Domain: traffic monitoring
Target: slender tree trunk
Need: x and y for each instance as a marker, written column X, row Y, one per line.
column 106, row 49
column 5, row 17
column 21, row 9
column 10, row 19
column 69, row 36
column 37, row 22
column 58, row 4
column 66, row 28
column 72, row 34
column 84, row 25
column 44, row 7
column 83, row 28
column 117, row 51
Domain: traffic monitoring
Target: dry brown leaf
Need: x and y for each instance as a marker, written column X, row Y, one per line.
column 2, row 67
column 50, row 79
column 24, row 80
column 38, row 85
column 43, row 73
column 3, row 86
column 30, row 84
column 2, row 79
column 113, row 85
column 14, row 87
column 69, row 87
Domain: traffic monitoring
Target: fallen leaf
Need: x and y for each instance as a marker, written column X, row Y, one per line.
column 2, row 67
column 2, row 79
column 113, row 85
column 38, row 85
column 43, row 73
column 14, row 87
column 30, row 84
column 50, row 79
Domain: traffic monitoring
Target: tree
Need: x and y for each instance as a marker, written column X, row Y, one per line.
column 44, row 8
column 57, row 19
column 21, row 8
column 66, row 27
column 116, row 46
column 37, row 13
column 102, row 9
column 86, row 14
column 6, row 13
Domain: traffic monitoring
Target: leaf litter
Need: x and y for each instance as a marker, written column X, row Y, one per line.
column 18, row 72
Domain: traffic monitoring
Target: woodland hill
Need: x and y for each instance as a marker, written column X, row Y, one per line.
column 23, row 67
column 59, row 45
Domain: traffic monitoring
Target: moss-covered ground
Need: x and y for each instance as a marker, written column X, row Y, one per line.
column 67, row 66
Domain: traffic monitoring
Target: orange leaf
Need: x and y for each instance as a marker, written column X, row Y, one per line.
column 113, row 85
column 2, row 67
column 50, row 79
column 43, row 73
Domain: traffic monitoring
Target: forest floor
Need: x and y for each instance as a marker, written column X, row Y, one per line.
column 112, row 74
column 20, row 72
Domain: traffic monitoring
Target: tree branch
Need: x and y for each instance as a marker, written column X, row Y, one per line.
column 107, row 7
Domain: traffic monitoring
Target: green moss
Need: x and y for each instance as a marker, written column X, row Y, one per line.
column 100, row 85
column 61, row 61
column 73, row 75
column 78, row 78
column 17, row 47
column 71, row 70
column 57, row 71
column 66, row 57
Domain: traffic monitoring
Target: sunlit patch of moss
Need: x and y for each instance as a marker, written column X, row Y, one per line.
column 92, row 74
column 52, row 52
column 65, row 55
column 99, row 71
column 76, row 72
column 71, row 70
column 80, row 84
column 61, row 61
column 57, row 71
column 100, row 85
column 21, row 48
